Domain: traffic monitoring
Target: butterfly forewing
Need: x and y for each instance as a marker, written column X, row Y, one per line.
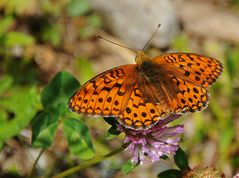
column 197, row 69
column 104, row 94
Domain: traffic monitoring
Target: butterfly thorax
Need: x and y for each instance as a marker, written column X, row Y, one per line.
column 149, row 70
column 152, row 79
column 141, row 57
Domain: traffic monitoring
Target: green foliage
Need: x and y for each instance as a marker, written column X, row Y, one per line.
column 44, row 128
column 52, row 34
column 78, row 138
column 236, row 2
column 110, row 120
column 21, row 71
column 27, row 25
column 171, row 173
column 92, row 23
column 5, row 24
column 128, row 167
column 52, row 8
column 112, row 132
column 78, row 7
column 12, row 39
column 226, row 140
column 15, row 6
column 232, row 61
column 54, row 99
column 5, row 83
column 18, row 107
column 57, row 93
column 181, row 160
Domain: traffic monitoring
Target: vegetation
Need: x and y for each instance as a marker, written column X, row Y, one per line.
column 39, row 42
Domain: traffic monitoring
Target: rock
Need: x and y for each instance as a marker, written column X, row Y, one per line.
column 205, row 20
column 135, row 21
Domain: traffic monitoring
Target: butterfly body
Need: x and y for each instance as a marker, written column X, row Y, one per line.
column 141, row 94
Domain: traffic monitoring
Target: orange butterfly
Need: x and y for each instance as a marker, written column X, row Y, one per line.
column 139, row 95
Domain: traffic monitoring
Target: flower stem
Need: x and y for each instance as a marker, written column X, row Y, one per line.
column 35, row 162
column 90, row 162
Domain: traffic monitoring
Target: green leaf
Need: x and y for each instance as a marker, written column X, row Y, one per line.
column 43, row 129
column 5, row 24
column 128, row 167
column 57, row 93
column 12, row 39
column 110, row 120
column 164, row 157
column 232, row 62
column 181, row 159
column 78, row 137
column 112, row 132
column 21, row 104
column 5, row 83
column 78, row 7
column 3, row 116
column 172, row 173
column 52, row 34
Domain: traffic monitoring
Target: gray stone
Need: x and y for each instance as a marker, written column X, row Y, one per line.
column 135, row 21
column 202, row 19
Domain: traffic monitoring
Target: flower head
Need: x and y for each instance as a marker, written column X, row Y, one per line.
column 154, row 142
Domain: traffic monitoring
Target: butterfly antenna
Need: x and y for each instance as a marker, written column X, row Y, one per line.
column 151, row 37
column 98, row 36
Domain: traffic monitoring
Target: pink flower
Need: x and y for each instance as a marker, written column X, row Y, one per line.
column 149, row 145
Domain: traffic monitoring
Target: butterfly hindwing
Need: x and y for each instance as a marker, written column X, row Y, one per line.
column 188, row 97
column 139, row 114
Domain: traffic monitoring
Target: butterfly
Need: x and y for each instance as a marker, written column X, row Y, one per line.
column 139, row 95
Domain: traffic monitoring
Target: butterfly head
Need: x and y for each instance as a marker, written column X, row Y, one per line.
column 141, row 57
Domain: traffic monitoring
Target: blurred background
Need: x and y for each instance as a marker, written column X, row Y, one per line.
column 38, row 38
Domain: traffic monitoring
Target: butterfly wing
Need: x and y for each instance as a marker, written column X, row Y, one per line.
column 138, row 113
column 185, row 78
column 196, row 69
column 118, row 92
column 139, row 96
column 106, row 94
